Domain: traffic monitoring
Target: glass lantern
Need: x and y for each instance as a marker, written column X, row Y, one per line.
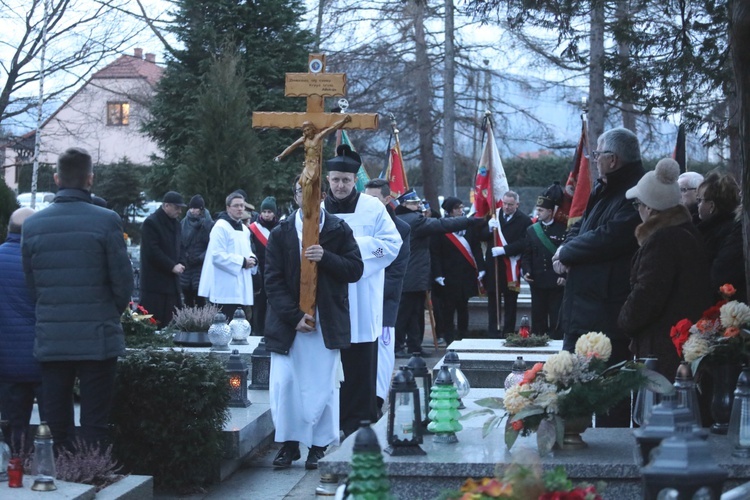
column 645, row 399
column 524, row 329
column 240, row 327
column 43, row 467
column 261, row 366
column 687, row 395
column 453, row 363
column 739, row 422
column 219, row 333
column 423, row 379
column 237, row 372
column 404, row 416
column 516, row 374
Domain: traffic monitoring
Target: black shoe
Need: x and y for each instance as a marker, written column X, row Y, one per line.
column 315, row 454
column 287, row 454
column 402, row 354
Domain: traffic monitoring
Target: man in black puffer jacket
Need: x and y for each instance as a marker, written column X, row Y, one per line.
column 78, row 271
column 195, row 234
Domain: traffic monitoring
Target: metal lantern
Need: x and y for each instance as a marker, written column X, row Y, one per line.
column 404, row 416
column 423, row 379
column 240, row 327
column 463, row 387
column 516, row 374
column 646, row 399
column 739, row 422
column 237, row 371
column 261, row 361
column 687, row 395
column 682, row 467
column 43, row 467
column 665, row 419
column 219, row 333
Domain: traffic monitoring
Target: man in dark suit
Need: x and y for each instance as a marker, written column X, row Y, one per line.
column 161, row 260
column 457, row 263
column 503, row 263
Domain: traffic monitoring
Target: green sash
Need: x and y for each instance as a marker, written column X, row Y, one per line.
column 544, row 238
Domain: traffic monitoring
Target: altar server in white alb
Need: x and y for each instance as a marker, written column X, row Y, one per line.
column 226, row 278
column 305, row 360
column 379, row 242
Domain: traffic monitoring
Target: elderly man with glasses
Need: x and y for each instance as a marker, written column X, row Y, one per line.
column 597, row 253
column 689, row 182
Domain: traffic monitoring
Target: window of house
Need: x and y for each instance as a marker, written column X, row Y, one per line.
column 118, row 113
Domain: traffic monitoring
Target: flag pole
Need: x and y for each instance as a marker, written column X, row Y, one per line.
column 398, row 151
column 487, row 131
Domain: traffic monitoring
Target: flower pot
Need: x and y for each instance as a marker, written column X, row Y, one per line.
column 574, row 427
column 724, row 377
column 192, row 339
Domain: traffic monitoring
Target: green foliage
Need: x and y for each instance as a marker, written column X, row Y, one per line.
column 140, row 330
column 601, row 394
column 8, row 205
column 120, row 184
column 515, row 340
column 270, row 42
column 170, row 409
column 45, row 181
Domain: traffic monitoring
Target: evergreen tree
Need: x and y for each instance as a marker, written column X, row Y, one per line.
column 270, row 42
column 120, row 185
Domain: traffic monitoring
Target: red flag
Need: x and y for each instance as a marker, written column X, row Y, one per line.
column 491, row 183
column 578, row 186
column 679, row 149
column 396, row 175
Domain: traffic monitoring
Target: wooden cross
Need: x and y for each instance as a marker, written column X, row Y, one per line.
column 316, row 124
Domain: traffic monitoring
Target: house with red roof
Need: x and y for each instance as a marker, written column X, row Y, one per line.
column 104, row 116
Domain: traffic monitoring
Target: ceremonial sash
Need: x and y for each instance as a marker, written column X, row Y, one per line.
column 512, row 265
column 463, row 246
column 544, row 238
column 260, row 232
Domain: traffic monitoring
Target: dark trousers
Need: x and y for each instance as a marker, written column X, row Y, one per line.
column 458, row 307
column 161, row 305
column 97, row 383
column 192, row 299
column 545, row 310
column 259, row 313
column 228, row 310
column 17, row 404
column 410, row 321
column 357, row 397
column 510, row 302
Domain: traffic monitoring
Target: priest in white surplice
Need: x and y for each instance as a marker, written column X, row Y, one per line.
column 379, row 242
column 305, row 361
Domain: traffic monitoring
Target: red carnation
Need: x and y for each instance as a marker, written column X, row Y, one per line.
column 680, row 333
column 714, row 311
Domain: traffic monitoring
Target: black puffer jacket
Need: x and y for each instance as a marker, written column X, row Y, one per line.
column 418, row 272
column 598, row 251
column 78, row 271
column 341, row 264
column 195, row 236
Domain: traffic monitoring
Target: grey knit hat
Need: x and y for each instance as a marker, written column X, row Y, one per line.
column 658, row 189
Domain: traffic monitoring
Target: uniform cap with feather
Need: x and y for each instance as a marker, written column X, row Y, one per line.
column 658, row 189
column 345, row 160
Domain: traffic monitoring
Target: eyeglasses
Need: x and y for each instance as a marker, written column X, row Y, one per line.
column 596, row 154
column 685, row 190
column 637, row 204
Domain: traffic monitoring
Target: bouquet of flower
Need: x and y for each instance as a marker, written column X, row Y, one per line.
column 567, row 386
column 140, row 328
column 522, row 482
column 720, row 335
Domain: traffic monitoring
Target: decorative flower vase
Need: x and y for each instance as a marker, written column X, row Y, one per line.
column 724, row 378
column 574, row 427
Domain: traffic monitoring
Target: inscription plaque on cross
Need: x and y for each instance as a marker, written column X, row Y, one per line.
column 316, row 124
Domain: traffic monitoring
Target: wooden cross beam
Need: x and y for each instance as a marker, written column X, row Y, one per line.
column 316, row 124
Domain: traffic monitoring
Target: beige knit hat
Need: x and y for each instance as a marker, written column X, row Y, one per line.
column 658, row 189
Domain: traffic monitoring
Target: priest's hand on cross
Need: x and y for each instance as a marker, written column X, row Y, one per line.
column 306, row 324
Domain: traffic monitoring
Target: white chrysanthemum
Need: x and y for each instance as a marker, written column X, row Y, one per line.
column 558, row 367
column 594, row 344
column 695, row 347
column 735, row 314
column 514, row 401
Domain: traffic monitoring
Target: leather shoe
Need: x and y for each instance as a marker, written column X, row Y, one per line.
column 286, row 455
column 315, row 454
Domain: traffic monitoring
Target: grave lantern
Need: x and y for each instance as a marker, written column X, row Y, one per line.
column 687, row 395
column 219, row 333
column 463, row 387
column 404, row 416
column 739, row 422
column 237, row 371
column 525, row 327
column 645, row 399
column 516, row 374
column 682, row 467
column 665, row 418
column 261, row 361
column 43, row 466
column 240, row 327
column 423, row 379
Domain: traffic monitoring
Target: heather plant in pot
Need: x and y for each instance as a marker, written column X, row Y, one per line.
column 190, row 325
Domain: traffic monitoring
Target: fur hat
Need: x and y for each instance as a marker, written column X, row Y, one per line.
column 345, row 160
column 450, row 203
column 658, row 189
column 268, row 203
column 545, row 202
column 197, row 202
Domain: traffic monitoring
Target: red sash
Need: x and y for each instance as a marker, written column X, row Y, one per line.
column 258, row 233
column 461, row 248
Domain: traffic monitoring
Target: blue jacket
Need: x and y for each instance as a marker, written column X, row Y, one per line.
column 17, row 319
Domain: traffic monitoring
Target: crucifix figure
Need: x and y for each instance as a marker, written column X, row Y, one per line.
column 316, row 124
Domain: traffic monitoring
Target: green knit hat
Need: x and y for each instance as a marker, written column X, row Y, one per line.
column 269, row 203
